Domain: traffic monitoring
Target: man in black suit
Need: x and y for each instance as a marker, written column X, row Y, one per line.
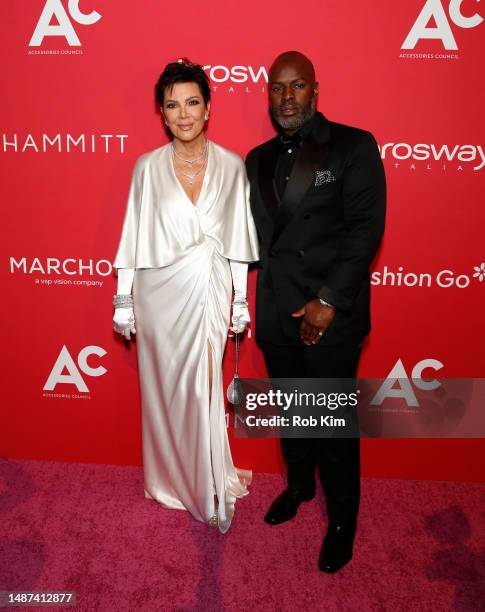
column 318, row 198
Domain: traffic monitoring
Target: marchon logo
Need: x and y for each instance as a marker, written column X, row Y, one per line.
column 73, row 374
column 52, row 265
column 64, row 27
column 49, row 271
column 434, row 10
column 443, row 279
column 399, row 385
column 440, row 156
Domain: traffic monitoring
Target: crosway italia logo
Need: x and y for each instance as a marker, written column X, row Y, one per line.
column 248, row 79
column 443, row 279
column 437, row 157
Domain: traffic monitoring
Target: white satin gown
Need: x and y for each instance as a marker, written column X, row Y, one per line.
column 182, row 298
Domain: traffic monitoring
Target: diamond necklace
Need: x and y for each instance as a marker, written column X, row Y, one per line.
column 191, row 162
column 191, row 177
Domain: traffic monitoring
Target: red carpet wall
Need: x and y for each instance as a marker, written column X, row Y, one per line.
column 77, row 110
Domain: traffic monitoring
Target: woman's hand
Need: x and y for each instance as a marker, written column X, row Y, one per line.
column 240, row 317
column 124, row 322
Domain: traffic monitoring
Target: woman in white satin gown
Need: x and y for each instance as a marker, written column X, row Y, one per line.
column 187, row 232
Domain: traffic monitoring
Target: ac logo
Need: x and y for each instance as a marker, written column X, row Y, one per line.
column 74, row 376
column 434, row 9
column 54, row 8
column 398, row 376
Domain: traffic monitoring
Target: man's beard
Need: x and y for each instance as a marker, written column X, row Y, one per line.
column 294, row 123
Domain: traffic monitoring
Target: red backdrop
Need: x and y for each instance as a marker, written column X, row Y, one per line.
column 77, row 110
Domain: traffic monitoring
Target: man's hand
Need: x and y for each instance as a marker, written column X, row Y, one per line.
column 316, row 319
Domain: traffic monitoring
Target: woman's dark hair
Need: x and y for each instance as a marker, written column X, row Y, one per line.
column 182, row 71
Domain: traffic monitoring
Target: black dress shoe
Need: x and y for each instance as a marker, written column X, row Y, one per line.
column 337, row 547
column 285, row 506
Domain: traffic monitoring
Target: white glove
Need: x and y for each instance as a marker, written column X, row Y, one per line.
column 240, row 317
column 124, row 322
column 240, row 313
column 124, row 318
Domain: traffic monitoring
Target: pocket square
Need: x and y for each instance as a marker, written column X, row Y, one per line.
column 323, row 176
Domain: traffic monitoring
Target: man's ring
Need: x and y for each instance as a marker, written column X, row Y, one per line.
column 320, row 333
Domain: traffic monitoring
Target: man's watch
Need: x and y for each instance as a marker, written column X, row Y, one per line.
column 324, row 303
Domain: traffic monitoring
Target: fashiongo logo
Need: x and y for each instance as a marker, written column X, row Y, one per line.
column 437, row 157
column 64, row 27
column 73, row 375
column 443, row 279
column 434, row 10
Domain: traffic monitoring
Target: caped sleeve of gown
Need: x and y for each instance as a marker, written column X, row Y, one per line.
column 126, row 254
column 161, row 225
column 236, row 231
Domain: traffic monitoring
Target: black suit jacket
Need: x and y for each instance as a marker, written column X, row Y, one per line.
column 320, row 240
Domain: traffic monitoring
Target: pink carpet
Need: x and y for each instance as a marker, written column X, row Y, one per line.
column 88, row 528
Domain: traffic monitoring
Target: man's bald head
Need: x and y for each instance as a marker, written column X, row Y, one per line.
column 295, row 60
column 292, row 90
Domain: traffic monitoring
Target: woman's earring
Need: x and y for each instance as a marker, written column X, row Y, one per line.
column 206, row 116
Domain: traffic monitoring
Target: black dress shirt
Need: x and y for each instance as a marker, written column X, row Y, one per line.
column 290, row 149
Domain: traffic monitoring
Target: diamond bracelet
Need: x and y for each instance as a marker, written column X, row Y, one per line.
column 121, row 300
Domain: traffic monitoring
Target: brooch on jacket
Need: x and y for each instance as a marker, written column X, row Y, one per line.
column 323, row 176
